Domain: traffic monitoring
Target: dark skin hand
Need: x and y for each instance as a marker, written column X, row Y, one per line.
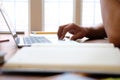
column 77, row 31
column 80, row 32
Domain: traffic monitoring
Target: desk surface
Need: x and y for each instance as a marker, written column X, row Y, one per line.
column 10, row 48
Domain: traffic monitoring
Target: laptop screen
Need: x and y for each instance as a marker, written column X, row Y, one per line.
column 8, row 21
column 9, row 24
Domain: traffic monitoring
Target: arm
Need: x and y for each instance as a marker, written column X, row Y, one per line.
column 97, row 32
column 111, row 20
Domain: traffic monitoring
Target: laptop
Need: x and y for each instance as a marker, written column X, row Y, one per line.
column 67, row 58
column 32, row 38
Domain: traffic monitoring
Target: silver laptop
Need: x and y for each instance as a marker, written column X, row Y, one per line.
column 27, row 40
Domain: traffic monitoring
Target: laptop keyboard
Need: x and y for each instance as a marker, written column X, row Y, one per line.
column 33, row 39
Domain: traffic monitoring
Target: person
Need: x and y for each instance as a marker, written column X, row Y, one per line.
column 110, row 27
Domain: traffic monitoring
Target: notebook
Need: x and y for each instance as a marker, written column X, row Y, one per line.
column 59, row 58
column 27, row 40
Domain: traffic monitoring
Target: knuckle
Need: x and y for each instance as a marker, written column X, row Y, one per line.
column 72, row 24
column 60, row 26
column 66, row 29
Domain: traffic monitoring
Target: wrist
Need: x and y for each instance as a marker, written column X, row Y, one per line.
column 95, row 33
column 89, row 32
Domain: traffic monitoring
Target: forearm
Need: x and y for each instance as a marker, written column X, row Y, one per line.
column 111, row 20
column 97, row 32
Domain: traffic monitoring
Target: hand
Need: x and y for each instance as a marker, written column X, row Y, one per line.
column 77, row 31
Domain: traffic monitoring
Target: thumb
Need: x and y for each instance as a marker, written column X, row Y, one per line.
column 77, row 36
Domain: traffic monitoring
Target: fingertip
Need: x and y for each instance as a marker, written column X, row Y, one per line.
column 61, row 38
column 73, row 38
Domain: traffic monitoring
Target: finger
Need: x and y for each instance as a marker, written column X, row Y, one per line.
column 72, row 31
column 65, row 30
column 60, row 31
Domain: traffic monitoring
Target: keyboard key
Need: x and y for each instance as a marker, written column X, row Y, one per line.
column 33, row 39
